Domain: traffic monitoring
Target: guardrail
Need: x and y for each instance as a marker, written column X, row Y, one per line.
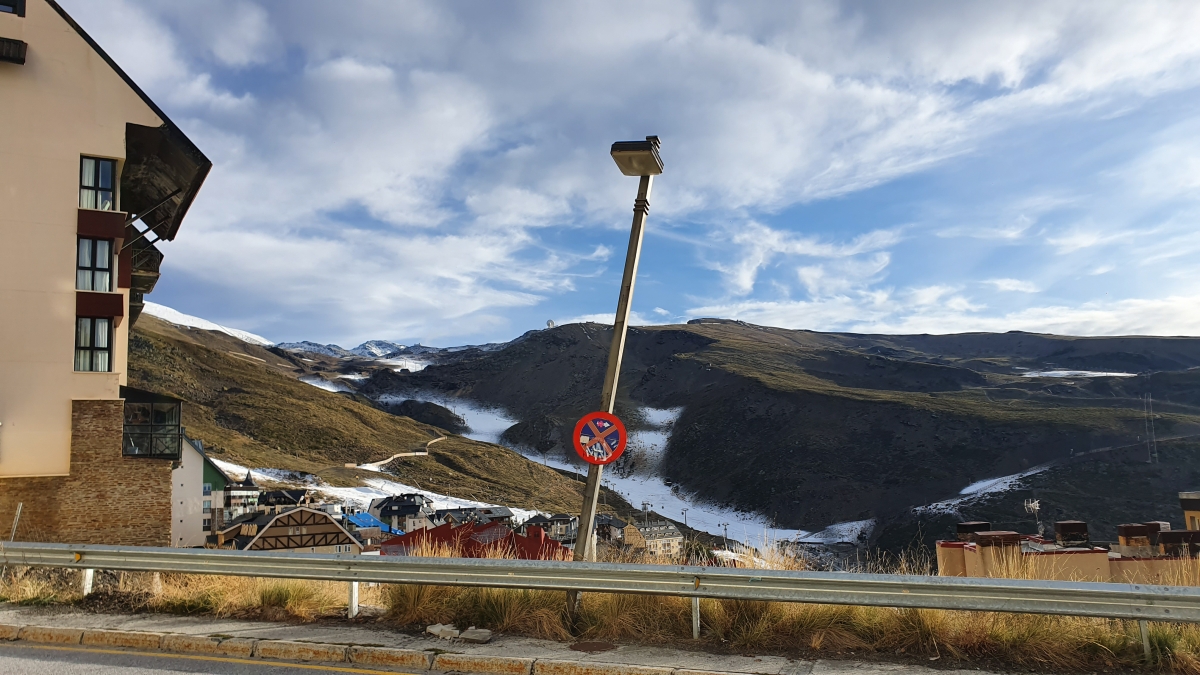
column 1108, row 600
column 1120, row 601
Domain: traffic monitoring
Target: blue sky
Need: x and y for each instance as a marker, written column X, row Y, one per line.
column 439, row 171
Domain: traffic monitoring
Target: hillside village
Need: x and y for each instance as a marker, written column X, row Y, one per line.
column 211, row 509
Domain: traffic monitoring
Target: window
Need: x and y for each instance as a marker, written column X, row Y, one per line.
column 93, row 265
column 12, row 7
column 207, row 506
column 207, row 524
column 96, row 183
column 152, row 430
column 207, row 489
column 93, row 345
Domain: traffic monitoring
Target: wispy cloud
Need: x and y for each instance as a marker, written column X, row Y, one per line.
column 1013, row 285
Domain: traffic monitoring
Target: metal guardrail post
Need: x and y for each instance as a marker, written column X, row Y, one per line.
column 695, row 618
column 352, row 607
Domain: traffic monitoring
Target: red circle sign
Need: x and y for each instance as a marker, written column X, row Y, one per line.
column 599, row 438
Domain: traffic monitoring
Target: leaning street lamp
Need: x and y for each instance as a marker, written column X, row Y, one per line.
column 634, row 158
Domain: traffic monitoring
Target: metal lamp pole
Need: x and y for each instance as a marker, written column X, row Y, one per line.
column 634, row 158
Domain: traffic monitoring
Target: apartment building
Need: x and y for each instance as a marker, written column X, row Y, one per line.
column 92, row 175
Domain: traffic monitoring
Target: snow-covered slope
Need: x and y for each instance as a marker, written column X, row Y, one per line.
column 180, row 319
column 315, row 348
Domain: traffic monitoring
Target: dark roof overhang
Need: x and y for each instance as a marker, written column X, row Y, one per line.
column 162, row 174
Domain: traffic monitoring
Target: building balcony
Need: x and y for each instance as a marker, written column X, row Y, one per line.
column 144, row 265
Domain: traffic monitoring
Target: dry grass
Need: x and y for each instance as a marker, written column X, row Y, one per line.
column 994, row 639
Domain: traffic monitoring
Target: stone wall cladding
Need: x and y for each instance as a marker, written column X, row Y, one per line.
column 106, row 499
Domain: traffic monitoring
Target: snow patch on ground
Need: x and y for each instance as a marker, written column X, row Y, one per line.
column 180, row 319
column 652, row 443
column 359, row 497
column 980, row 489
column 322, row 383
column 484, row 424
column 1075, row 373
column 854, row 531
column 409, row 363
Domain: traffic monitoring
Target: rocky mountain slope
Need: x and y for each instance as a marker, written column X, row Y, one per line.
column 812, row 429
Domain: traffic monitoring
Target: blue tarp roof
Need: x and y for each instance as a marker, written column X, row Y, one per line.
column 365, row 519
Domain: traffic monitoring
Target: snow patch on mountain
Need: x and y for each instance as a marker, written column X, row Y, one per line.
column 188, row 321
column 488, row 424
column 321, row 383
column 377, row 349
column 980, row 489
column 1075, row 373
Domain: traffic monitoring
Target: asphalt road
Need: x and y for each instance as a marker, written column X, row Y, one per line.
column 47, row 660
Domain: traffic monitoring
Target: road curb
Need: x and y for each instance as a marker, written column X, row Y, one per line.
column 541, row 667
column 286, row 650
column 203, row 644
column 58, row 636
column 300, row 651
column 493, row 665
column 121, row 638
column 387, row 656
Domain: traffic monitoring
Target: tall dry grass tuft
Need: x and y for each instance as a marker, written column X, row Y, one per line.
column 39, row 586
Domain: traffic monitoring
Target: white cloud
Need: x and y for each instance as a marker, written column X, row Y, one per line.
column 1173, row 315
column 1013, row 285
column 635, row 319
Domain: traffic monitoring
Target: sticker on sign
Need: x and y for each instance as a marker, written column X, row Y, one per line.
column 600, row 438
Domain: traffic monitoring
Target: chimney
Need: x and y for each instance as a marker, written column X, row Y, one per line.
column 1180, row 543
column 1157, row 527
column 1071, row 533
column 966, row 531
column 1190, row 502
column 997, row 538
column 1133, row 540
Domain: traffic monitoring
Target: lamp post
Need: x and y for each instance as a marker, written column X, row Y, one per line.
column 633, row 158
column 685, row 517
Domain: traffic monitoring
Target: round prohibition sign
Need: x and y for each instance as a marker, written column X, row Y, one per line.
column 599, row 438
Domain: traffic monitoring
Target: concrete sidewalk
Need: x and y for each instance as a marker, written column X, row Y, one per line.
column 517, row 654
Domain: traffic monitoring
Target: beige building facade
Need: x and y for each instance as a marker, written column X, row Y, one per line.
column 92, row 173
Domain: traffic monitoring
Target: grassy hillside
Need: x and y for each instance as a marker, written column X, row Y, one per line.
column 247, row 406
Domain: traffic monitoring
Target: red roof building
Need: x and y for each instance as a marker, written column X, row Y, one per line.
column 475, row 540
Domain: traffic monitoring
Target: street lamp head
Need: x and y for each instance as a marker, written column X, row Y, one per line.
column 638, row 158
